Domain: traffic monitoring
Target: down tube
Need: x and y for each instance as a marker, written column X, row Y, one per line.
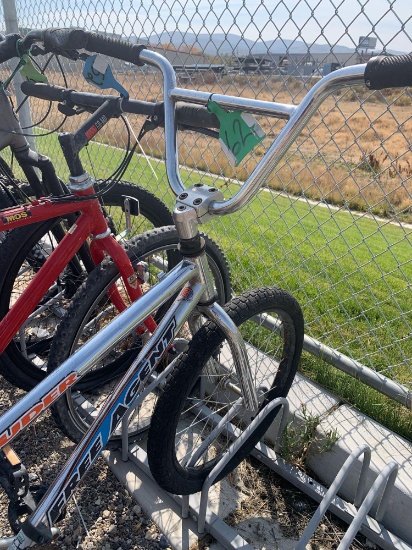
column 56, row 383
column 116, row 407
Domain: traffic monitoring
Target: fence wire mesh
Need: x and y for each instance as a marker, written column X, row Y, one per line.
column 333, row 223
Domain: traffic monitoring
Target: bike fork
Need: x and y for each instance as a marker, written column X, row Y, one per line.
column 192, row 210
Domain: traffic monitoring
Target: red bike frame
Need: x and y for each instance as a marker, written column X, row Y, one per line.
column 91, row 222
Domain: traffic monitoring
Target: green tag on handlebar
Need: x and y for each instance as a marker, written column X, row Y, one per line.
column 239, row 132
column 97, row 71
column 29, row 71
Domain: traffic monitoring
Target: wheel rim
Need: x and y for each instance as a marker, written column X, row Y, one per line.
column 198, row 443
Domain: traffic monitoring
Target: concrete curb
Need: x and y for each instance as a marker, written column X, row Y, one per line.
column 355, row 429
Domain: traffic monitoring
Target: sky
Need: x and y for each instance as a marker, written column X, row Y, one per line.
column 323, row 21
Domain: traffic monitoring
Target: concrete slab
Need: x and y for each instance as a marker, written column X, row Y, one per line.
column 262, row 535
column 355, row 429
column 165, row 510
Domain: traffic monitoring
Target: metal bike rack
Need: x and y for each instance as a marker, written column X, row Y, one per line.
column 197, row 507
column 280, row 401
column 207, row 520
column 364, row 502
column 356, row 515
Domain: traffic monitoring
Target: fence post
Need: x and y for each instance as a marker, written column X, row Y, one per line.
column 10, row 18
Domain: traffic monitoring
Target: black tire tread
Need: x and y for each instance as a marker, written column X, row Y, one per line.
column 160, row 447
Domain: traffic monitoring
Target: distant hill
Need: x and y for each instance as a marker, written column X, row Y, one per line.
column 220, row 43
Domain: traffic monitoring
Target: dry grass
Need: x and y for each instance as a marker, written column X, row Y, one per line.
column 355, row 151
column 274, row 502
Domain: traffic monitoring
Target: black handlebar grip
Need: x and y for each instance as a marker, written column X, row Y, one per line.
column 196, row 115
column 114, row 48
column 43, row 91
column 64, row 39
column 391, row 71
column 8, row 47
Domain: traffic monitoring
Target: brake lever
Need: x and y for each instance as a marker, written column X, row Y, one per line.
column 36, row 50
column 68, row 110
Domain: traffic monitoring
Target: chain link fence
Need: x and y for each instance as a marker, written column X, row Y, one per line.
column 333, row 223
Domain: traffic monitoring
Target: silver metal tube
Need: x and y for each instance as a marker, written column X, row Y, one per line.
column 237, row 406
column 237, row 346
column 169, row 82
column 335, row 81
column 299, row 117
column 278, row 402
column 179, row 312
column 333, row 490
column 385, row 479
column 6, row 542
column 254, row 106
column 374, row 379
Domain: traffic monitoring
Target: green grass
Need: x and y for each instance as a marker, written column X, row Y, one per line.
column 343, row 273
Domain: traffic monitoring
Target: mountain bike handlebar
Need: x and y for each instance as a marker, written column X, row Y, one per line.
column 187, row 114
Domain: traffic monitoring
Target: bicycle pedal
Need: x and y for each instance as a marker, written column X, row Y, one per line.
column 26, row 505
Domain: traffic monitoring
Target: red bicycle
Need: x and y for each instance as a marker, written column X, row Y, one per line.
column 24, row 347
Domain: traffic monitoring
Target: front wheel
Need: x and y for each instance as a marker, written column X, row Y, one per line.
column 204, row 386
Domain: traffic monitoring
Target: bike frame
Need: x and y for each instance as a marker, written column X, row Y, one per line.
column 90, row 222
column 192, row 275
column 123, row 397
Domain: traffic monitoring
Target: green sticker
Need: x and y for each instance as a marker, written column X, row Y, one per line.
column 30, row 72
column 239, row 132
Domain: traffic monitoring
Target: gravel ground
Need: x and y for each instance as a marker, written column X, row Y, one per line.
column 104, row 516
column 112, row 521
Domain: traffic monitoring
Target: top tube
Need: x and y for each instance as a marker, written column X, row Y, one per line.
column 298, row 116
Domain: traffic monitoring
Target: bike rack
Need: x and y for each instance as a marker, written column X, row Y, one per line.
column 356, row 514
column 386, row 480
column 363, row 501
column 280, row 401
column 207, row 520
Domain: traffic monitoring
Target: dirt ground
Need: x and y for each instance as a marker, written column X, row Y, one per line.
column 278, row 503
column 272, row 515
